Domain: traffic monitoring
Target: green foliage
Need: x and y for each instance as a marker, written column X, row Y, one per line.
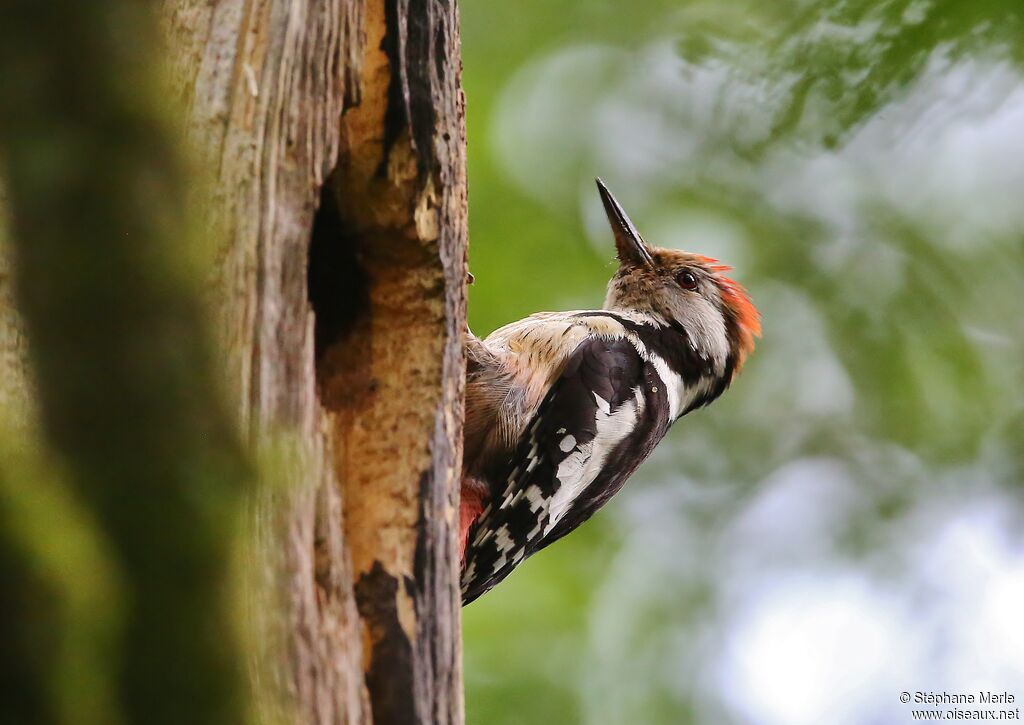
column 61, row 601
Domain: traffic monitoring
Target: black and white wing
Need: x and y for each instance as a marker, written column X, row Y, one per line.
column 608, row 407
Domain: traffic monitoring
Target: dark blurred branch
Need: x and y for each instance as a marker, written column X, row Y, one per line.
column 127, row 400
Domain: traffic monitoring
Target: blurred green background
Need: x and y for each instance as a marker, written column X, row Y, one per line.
column 844, row 524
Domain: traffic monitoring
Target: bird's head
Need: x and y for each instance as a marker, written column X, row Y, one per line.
column 681, row 289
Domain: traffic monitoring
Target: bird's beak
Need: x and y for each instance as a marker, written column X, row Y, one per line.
column 630, row 244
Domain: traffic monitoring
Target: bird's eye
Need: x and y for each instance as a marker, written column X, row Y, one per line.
column 687, row 280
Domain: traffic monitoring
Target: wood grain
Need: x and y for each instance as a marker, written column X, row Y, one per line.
column 347, row 365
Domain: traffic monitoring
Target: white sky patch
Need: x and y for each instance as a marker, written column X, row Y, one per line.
column 815, row 650
column 813, row 642
column 971, row 564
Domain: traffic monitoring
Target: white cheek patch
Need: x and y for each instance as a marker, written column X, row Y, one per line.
column 583, row 465
column 706, row 331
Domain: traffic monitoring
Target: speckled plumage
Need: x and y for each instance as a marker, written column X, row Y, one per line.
column 561, row 407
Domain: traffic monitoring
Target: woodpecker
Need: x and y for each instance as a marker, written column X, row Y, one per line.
column 561, row 407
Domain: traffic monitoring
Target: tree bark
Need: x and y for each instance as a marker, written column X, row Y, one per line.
column 336, row 128
column 335, row 132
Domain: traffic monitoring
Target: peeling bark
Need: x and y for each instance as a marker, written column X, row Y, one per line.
column 342, row 329
column 393, row 378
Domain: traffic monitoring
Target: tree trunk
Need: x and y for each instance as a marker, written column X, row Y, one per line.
column 336, row 128
column 335, row 132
